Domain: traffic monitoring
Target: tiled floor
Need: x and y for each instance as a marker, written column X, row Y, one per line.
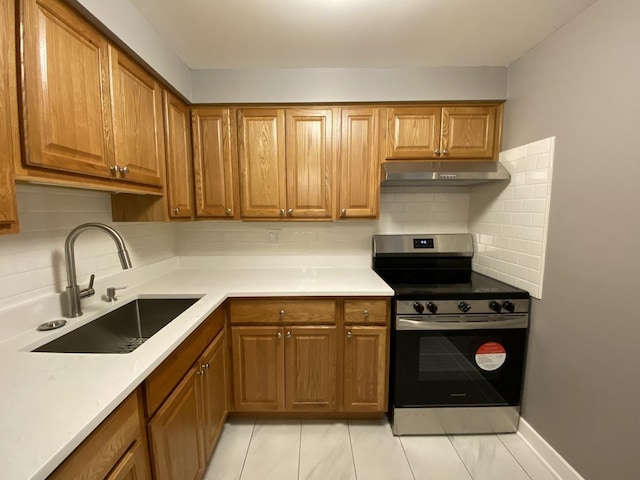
column 364, row 450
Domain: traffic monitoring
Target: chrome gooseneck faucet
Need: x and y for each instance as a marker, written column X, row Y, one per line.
column 74, row 294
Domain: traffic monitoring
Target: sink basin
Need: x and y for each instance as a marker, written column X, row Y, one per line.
column 121, row 330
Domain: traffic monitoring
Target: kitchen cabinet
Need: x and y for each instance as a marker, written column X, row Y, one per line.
column 284, row 355
column 286, row 159
column 115, row 450
column 8, row 119
column 444, row 132
column 186, row 399
column 215, row 163
column 366, row 354
column 87, row 118
column 359, row 163
column 137, row 121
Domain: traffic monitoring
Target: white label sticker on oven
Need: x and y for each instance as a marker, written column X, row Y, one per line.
column 491, row 356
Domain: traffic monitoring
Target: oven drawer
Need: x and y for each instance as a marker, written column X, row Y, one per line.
column 366, row 311
column 280, row 311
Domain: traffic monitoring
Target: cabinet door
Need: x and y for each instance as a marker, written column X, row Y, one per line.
column 258, row 368
column 359, row 173
column 214, row 158
column 213, row 392
column 261, row 152
column 413, row 132
column 137, row 126
column 133, row 465
column 175, row 436
column 365, row 369
column 309, row 163
column 179, row 163
column 8, row 119
column 470, row 132
column 67, row 103
column 311, row 368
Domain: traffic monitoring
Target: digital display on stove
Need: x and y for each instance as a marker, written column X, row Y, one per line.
column 423, row 243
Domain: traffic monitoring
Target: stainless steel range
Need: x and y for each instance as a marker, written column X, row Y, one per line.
column 458, row 339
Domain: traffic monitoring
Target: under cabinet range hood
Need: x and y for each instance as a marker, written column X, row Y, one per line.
column 421, row 174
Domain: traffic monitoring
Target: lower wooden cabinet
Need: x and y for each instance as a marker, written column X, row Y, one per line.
column 133, row 466
column 365, row 368
column 183, row 432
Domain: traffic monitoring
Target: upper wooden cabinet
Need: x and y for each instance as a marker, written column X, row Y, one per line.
column 465, row 132
column 359, row 164
column 8, row 119
column 137, row 121
column 179, row 193
column 286, row 159
column 215, row 162
column 65, row 87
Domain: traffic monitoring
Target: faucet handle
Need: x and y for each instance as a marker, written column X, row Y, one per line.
column 111, row 293
column 89, row 291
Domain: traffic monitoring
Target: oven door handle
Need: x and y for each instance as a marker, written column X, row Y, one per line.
column 512, row 321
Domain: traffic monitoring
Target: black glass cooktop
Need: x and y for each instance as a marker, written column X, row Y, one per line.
column 479, row 287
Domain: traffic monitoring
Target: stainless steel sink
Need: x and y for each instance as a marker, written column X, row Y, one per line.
column 121, row 330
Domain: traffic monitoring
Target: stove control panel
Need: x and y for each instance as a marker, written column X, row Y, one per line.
column 462, row 307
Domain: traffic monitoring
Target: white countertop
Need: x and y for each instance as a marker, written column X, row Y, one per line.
column 50, row 402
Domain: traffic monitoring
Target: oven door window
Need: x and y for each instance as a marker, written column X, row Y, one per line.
column 445, row 368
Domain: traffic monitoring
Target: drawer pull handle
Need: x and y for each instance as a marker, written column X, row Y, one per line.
column 288, row 334
column 279, row 335
column 349, row 335
column 282, row 313
column 366, row 313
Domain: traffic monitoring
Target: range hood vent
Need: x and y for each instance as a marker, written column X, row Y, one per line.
column 422, row 174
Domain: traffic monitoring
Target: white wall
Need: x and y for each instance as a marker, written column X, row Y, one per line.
column 349, row 84
column 582, row 85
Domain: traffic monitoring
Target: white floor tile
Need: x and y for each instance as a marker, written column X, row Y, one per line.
column 325, row 451
column 487, row 458
column 434, row 458
column 228, row 458
column 525, row 457
column 378, row 455
column 274, row 451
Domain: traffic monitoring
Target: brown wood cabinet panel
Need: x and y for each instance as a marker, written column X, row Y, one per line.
column 309, row 162
column 258, row 368
column 367, row 311
column 413, row 132
column 137, row 121
column 175, row 438
column 213, row 388
column 311, row 368
column 177, row 124
column 359, row 170
column 65, row 88
column 261, row 155
column 280, row 311
column 105, row 446
column 133, row 466
column 8, row 119
column 470, row 132
column 215, row 162
column 365, row 369
column 163, row 379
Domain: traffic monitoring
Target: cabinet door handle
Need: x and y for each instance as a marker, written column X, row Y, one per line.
column 445, row 151
column 281, row 211
column 282, row 313
column 437, row 152
column 115, row 169
column 349, row 335
column 227, row 211
column 279, row 335
column 343, row 212
column 176, row 210
column 124, row 171
column 199, row 372
column 288, row 334
column 290, row 211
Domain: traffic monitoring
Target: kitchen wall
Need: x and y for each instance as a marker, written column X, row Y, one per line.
column 581, row 85
column 32, row 262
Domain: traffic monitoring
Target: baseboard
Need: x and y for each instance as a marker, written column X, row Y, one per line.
column 547, row 454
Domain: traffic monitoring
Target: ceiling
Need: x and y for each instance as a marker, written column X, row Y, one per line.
column 229, row 34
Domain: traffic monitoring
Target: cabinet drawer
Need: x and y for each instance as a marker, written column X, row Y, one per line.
column 367, row 311
column 281, row 311
column 100, row 452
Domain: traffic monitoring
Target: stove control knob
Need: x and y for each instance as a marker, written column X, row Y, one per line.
column 464, row 307
column 418, row 307
column 508, row 306
column 432, row 307
column 495, row 306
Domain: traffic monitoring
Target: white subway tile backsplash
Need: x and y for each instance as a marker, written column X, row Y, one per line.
column 515, row 219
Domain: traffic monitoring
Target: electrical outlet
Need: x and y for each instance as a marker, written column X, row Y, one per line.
column 273, row 236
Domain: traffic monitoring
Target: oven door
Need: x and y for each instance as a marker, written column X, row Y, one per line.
column 459, row 363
